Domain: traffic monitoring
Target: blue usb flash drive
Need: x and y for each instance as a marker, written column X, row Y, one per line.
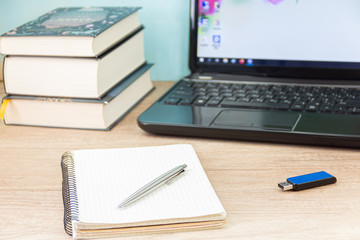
column 306, row 181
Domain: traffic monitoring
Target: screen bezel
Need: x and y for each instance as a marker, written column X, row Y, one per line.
column 292, row 72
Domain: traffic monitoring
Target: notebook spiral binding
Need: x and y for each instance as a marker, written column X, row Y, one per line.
column 70, row 200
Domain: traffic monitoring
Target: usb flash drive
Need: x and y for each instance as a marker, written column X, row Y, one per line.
column 306, row 181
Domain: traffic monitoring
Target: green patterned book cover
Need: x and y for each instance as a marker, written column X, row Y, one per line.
column 71, row 32
column 74, row 21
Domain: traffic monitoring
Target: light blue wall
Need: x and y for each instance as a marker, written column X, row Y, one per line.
column 166, row 28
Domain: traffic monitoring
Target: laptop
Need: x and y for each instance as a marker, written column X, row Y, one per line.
column 285, row 71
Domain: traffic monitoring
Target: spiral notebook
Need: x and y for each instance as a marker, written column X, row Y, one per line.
column 96, row 181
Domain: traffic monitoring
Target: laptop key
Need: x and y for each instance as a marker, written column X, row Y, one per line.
column 226, row 95
column 340, row 109
column 253, row 95
column 185, row 84
column 200, row 89
column 349, row 104
column 243, row 99
column 258, row 100
column 184, row 92
column 224, row 85
column 211, row 85
column 354, row 111
column 199, row 84
column 240, row 91
column 200, row 101
column 250, row 87
column 213, row 90
column 172, row 101
column 240, row 95
column 212, row 94
column 280, row 106
column 297, row 107
column 237, row 86
column 271, row 101
column 226, row 90
column 326, row 109
column 213, row 102
column 186, row 101
column 231, row 99
column 312, row 108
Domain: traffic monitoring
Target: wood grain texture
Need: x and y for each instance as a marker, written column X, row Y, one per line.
column 244, row 174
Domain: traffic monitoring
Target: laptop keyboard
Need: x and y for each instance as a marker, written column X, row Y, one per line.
column 337, row 100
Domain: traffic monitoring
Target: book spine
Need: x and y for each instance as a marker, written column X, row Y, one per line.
column 71, row 207
column 2, row 69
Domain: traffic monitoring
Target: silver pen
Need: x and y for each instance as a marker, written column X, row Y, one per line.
column 153, row 185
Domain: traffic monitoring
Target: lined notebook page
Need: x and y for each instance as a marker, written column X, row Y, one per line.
column 106, row 177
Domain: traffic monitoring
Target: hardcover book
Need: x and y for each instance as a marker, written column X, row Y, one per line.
column 75, row 31
column 73, row 76
column 97, row 114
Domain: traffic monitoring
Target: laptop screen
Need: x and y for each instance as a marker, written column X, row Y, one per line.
column 245, row 34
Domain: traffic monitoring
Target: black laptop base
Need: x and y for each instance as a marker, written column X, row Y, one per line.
column 268, row 125
column 256, row 136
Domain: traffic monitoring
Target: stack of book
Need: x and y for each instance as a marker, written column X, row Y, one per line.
column 75, row 68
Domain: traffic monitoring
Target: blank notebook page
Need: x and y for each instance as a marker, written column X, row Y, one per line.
column 105, row 177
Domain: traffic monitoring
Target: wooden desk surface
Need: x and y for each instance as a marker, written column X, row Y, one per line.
column 244, row 175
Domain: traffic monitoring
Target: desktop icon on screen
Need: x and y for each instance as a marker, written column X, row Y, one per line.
column 250, row 62
column 204, row 21
column 204, row 40
column 217, row 6
column 205, row 6
column 216, row 39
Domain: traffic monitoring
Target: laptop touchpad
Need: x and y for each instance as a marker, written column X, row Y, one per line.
column 284, row 121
